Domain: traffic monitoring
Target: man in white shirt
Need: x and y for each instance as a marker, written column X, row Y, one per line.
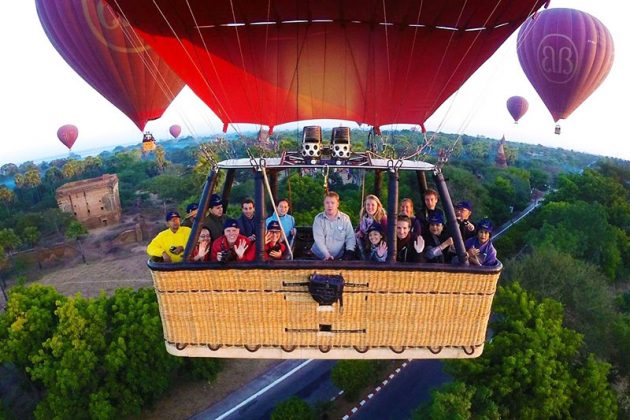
column 333, row 232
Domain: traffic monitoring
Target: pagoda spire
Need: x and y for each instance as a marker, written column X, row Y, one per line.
column 501, row 160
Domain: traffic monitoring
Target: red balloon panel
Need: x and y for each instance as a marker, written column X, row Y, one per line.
column 271, row 62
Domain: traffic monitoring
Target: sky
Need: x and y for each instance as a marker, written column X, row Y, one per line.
column 40, row 92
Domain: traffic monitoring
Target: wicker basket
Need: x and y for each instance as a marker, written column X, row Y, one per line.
column 266, row 311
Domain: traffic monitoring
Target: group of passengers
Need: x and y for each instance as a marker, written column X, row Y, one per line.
column 421, row 238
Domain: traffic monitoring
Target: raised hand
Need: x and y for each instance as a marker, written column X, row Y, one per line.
column 381, row 251
column 418, row 244
column 240, row 249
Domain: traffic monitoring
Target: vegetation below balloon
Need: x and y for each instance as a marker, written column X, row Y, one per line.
column 569, row 267
column 92, row 358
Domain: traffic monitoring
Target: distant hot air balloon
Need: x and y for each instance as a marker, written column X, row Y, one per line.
column 110, row 57
column 517, row 107
column 68, row 134
column 175, row 130
column 566, row 54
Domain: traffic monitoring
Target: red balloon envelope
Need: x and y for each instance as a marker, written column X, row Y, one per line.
column 108, row 56
column 566, row 54
column 175, row 130
column 68, row 134
column 517, row 107
column 370, row 61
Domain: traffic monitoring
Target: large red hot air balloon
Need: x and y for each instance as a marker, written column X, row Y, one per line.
column 371, row 61
column 175, row 130
column 68, row 134
column 107, row 55
column 517, row 107
column 566, row 54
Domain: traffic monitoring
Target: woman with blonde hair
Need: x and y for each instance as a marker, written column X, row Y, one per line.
column 371, row 212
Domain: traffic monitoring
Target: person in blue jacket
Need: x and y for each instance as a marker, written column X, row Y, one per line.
column 480, row 249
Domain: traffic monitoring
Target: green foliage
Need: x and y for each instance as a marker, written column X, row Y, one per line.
column 168, row 186
column 31, row 235
column 75, row 230
column 293, row 408
column 29, row 320
column 582, row 230
column 580, row 286
column 9, row 240
column 532, row 367
column 354, row 375
column 95, row 358
column 456, row 401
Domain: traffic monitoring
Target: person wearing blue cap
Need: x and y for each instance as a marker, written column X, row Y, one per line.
column 232, row 246
column 283, row 216
column 191, row 213
column 439, row 246
column 216, row 216
column 480, row 249
column 463, row 211
column 431, row 199
column 168, row 246
column 275, row 249
column 377, row 249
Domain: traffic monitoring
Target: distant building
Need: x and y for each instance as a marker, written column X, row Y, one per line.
column 94, row 202
column 501, row 160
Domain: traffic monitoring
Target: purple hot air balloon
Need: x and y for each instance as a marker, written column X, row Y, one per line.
column 517, row 107
column 108, row 55
column 68, row 134
column 566, row 54
column 175, row 130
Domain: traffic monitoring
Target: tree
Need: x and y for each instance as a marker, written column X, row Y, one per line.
column 9, row 240
column 28, row 321
column 31, row 235
column 532, row 368
column 6, row 196
column 293, row 408
column 578, row 285
column 354, row 375
column 77, row 232
column 160, row 158
column 8, row 169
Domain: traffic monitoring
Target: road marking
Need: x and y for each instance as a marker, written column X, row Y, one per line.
column 265, row 389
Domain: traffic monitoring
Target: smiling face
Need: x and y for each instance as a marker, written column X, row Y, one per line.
column 283, row 208
column 204, row 235
column 375, row 237
column 402, row 229
column 370, row 206
column 231, row 233
column 406, row 208
column 248, row 210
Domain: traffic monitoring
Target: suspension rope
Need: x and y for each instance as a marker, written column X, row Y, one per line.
column 261, row 167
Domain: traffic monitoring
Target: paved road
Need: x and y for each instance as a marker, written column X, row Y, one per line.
column 309, row 380
column 404, row 393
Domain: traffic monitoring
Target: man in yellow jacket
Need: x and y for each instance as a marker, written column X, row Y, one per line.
column 168, row 246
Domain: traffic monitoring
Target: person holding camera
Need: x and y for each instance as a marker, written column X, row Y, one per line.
column 168, row 246
column 275, row 249
column 480, row 249
column 463, row 211
column 232, row 246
